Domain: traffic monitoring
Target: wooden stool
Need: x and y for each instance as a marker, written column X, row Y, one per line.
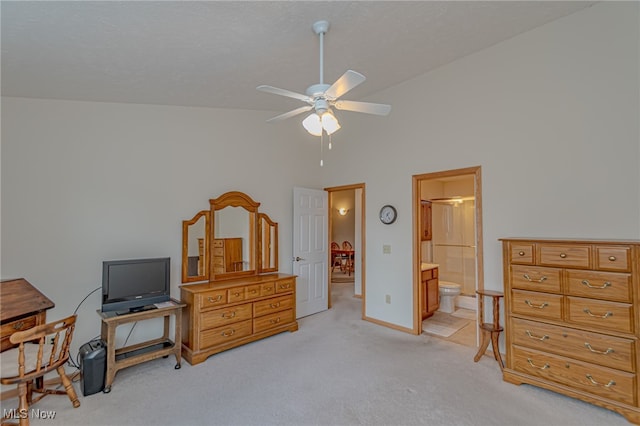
column 490, row 331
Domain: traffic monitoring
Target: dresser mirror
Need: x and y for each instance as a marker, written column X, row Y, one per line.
column 195, row 248
column 267, row 243
column 231, row 239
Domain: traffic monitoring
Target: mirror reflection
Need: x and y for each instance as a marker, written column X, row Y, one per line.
column 194, row 247
column 231, row 250
column 268, row 241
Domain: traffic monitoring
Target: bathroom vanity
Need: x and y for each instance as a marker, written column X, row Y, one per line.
column 429, row 287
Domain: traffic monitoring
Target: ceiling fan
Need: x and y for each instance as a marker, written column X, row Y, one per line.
column 322, row 98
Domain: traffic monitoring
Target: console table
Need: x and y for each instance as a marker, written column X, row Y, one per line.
column 127, row 356
column 22, row 306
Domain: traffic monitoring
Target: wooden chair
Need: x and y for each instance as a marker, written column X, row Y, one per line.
column 347, row 258
column 40, row 350
column 335, row 258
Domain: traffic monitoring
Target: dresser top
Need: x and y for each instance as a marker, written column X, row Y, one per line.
column 19, row 298
column 218, row 284
column 572, row 240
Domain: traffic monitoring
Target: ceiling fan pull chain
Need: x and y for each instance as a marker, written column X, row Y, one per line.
column 329, row 141
column 321, row 141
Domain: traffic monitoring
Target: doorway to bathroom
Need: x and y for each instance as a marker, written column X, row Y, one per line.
column 448, row 253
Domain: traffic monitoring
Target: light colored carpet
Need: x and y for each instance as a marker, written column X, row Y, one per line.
column 336, row 370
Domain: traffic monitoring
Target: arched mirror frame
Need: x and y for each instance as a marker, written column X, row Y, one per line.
column 203, row 261
column 267, row 244
column 235, row 199
column 263, row 236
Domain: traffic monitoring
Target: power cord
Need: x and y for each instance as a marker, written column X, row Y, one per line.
column 76, row 363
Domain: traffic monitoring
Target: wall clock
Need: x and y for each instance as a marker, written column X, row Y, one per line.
column 388, row 214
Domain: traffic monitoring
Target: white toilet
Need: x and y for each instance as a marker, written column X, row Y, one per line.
column 448, row 292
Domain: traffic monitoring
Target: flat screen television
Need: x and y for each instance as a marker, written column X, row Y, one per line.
column 135, row 284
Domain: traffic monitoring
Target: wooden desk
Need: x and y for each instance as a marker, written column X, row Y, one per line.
column 118, row 359
column 22, row 306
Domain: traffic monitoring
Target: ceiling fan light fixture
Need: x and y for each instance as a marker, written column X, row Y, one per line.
column 313, row 124
column 330, row 123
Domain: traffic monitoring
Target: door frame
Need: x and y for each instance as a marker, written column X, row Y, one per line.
column 361, row 248
column 417, row 288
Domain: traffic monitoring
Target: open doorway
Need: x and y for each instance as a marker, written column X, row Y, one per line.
column 346, row 224
column 448, row 253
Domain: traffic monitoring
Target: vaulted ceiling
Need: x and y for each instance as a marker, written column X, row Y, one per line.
column 214, row 54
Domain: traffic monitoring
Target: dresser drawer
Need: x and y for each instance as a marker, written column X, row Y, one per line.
column 576, row 256
column 218, row 243
column 218, row 261
column 600, row 285
column 613, row 258
column 236, row 294
column 212, row 298
column 605, row 382
column 535, row 278
column 228, row 333
column 272, row 320
column 284, row 286
column 601, row 314
column 18, row 325
column 596, row 348
column 268, row 289
column 218, row 251
column 522, row 253
column 542, row 305
column 222, row 316
column 253, row 291
column 272, row 305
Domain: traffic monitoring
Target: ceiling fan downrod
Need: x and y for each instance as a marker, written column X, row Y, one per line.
column 321, row 28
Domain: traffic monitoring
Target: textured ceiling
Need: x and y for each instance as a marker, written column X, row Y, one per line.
column 214, row 54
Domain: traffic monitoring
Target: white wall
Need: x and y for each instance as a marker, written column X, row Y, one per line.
column 551, row 116
column 84, row 182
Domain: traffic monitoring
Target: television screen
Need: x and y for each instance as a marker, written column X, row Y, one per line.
column 134, row 284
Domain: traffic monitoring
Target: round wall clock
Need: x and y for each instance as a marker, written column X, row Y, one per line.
column 388, row 214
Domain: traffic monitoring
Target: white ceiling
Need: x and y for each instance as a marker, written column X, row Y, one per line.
column 214, row 54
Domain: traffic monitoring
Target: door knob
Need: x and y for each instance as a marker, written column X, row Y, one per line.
column 298, row 259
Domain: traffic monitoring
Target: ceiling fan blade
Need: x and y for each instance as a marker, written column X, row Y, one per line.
column 366, row 107
column 346, row 82
column 290, row 113
column 284, row 92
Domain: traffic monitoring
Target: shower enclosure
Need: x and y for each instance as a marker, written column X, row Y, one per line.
column 453, row 243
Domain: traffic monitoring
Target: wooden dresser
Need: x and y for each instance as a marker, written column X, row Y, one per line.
column 223, row 314
column 572, row 318
column 227, row 255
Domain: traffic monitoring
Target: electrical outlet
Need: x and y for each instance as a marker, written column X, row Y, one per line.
column 387, row 298
column 386, row 248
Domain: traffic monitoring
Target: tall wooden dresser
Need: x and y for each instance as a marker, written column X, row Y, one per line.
column 227, row 255
column 572, row 318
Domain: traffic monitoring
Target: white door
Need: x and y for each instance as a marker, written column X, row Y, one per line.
column 310, row 236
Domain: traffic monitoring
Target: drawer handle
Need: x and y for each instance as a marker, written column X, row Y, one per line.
column 544, row 367
column 607, row 352
column 285, row 286
column 274, row 305
column 542, row 339
column 563, row 255
column 217, row 299
column 236, row 294
column 608, row 385
column 228, row 315
column 275, row 321
column 540, row 280
column 588, row 312
column 520, row 253
column 588, row 284
column 544, row 305
column 228, row 333
column 18, row 325
column 612, row 258
column 254, row 291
